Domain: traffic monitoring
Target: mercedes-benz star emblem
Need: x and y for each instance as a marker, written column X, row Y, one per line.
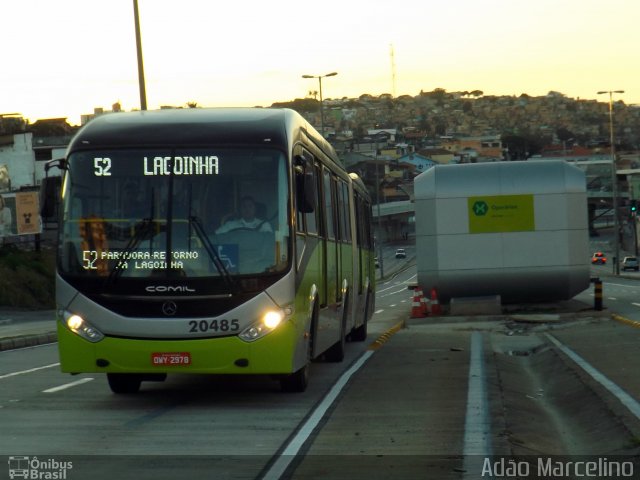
column 169, row 308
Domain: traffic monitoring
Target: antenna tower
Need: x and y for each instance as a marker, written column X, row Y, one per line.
column 393, row 71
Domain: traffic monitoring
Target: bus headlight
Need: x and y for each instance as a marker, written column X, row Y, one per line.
column 267, row 323
column 80, row 326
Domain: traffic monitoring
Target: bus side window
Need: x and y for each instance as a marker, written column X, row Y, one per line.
column 305, row 185
column 312, row 217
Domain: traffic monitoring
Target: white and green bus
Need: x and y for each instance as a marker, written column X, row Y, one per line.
column 156, row 276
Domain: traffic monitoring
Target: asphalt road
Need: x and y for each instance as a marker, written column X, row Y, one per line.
column 421, row 398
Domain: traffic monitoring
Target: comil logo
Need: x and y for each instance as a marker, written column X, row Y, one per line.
column 168, row 288
column 480, row 208
column 35, row 468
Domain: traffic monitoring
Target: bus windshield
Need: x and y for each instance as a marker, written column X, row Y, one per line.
column 192, row 212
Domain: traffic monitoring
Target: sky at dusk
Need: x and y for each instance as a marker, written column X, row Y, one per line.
column 63, row 58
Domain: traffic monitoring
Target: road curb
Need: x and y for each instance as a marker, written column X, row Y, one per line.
column 22, row 341
column 627, row 321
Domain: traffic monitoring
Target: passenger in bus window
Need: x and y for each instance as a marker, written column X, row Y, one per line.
column 247, row 220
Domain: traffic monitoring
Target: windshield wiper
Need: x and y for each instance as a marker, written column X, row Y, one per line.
column 213, row 252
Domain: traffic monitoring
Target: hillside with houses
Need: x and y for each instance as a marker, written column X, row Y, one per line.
column 389, row 140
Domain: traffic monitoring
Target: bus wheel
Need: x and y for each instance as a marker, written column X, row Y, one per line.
column 337, row 350
column 359, row 334
column 297, row 381
column 124, row 382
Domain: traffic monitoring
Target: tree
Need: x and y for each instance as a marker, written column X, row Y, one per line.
column 565, row 134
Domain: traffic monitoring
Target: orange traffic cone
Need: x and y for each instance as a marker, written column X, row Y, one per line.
column 416, row 305
column 426, row 305
column 435, row 304
column 418, row 292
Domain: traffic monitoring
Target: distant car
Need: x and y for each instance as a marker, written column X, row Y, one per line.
column 400, row 253
column 630, row 263
column 598, row 258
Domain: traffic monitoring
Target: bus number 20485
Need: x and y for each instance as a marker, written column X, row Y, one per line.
column 214, row 326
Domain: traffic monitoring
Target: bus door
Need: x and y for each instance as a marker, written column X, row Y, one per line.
column 330, row 239
column 346, row 249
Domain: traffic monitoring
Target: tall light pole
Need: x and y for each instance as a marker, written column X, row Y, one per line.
column 614, row 184
column 143, row 93
column 320, row 77
column 379, row 237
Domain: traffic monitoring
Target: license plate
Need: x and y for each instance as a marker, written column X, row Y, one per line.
column 163, row 359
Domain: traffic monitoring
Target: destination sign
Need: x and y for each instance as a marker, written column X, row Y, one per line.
column 157, row 166
column 198, row 165
column 137, row 260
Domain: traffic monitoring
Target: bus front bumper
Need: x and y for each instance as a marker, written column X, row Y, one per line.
column 271, row 354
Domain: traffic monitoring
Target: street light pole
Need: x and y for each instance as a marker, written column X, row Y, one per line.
column 614, row 184
column 379, row 236
column 143, row 93
column 320, row 77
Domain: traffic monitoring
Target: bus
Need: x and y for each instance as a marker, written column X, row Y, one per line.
column 159, row 272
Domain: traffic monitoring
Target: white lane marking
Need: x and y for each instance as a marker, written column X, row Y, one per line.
column 636, row 304
column 612, row 298
column 293, row 447
column 620, row 285
column 477, row 424
column 626, row 399
column 378, row 311
column 402, row 290
column 380, row 290
column 392, row 305
column 67, row 385
column 22, row 372
column 28, row 348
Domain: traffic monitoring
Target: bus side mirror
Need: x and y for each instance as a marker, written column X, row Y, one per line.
column 306, row 192
column 49, row 197
column 50, row 190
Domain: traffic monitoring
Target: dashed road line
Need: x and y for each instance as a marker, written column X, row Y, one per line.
column 67, row 385
column 31, row 370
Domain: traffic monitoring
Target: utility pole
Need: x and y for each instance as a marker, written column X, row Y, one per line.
column 614, row 184
column 393, row 72
column 143, row 93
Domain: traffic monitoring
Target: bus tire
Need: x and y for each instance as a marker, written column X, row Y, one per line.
column 298, row 381
column 337, row 350
column 124, row 382
column 359, row 334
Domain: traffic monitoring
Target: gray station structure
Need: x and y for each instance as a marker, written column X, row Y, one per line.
column 517, row 230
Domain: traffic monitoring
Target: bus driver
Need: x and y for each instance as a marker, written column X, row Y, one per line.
column 247, row 220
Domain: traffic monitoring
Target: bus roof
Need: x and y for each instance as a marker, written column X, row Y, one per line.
column 196, row 126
